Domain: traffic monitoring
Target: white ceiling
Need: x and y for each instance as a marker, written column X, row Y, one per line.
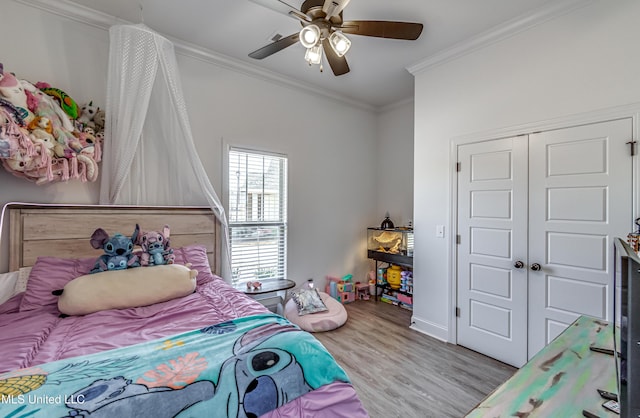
column 378, row 75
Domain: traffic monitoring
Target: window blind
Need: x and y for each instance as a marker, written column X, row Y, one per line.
column 257, row 215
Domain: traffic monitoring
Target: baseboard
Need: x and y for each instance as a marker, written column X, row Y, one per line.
column 431, row 329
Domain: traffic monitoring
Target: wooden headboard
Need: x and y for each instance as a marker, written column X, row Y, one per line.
column 64, row 231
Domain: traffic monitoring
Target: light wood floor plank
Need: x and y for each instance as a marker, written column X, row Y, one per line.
column 399, row 372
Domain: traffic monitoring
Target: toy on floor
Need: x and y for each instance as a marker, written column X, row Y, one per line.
column 341, row 289
column 362, row 291
column 372, row 282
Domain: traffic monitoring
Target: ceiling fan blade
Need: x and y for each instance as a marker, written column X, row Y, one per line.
column 282, row 7
column 334, row 7
column 338, row 64
column 383, row 29
column 274, row 47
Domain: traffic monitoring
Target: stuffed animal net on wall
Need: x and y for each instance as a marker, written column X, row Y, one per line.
column 44, row 135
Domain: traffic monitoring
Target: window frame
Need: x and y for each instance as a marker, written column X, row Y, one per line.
column 259, row 225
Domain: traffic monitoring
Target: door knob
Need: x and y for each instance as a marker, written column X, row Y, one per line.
column 518, row 264
column 536, row 267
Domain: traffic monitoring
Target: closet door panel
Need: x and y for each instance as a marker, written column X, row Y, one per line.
column 580, row 197
column 492, row 224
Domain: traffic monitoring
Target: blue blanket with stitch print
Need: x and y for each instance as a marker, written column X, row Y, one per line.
column 240, row 368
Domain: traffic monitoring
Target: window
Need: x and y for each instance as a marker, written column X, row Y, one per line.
column 257, row 215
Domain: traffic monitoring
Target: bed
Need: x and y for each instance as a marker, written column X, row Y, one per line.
column 214, row 352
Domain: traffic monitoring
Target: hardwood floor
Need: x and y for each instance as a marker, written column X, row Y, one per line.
column 399, row 372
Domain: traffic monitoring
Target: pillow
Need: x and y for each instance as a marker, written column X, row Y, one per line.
column 196, row 255
column 308, row 301
column 52, row 273
column 49, row 274
column 130, row 288
column 7, row 285
column 21, row 283
column 335, row 317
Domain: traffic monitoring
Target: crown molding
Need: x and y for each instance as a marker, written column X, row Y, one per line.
column 396, row 105
column 549, row 11
column 97, row 19
column 75, row 12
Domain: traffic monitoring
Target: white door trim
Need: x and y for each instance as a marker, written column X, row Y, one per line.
column 619, row 112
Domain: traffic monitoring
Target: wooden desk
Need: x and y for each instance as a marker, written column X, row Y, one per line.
column 561, row 380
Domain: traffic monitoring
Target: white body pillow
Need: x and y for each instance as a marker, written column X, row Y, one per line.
column 130, row 288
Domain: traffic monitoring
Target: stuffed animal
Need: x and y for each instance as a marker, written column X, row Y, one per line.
column 69, row 105
column 9, row 143
column 45, row 105
column 87, row 112
column 12, row 91
column 40, row 122
column 88, row 167
column 41, row 133
column 117, row 248
column 21, row 142
column 117, row 262
column 10, row 111
column 83, row 140
column 155, row 247
column 98, row 120
column 23, row 165
column 45, row 142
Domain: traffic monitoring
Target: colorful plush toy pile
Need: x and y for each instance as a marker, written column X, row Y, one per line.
column 44, row 136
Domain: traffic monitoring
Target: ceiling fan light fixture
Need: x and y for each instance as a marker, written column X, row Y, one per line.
column 310, row 36
column 323, row 29
column 314, row 54
column 340, row 43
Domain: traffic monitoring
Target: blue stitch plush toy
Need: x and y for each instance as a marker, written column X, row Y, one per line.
column 118, row 251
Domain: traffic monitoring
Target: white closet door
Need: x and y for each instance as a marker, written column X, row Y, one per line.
column 492, row 224
column 580, row 198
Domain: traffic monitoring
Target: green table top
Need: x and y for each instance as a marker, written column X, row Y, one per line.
column 561, row 380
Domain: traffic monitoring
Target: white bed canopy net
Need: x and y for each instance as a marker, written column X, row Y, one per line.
column 149, row 155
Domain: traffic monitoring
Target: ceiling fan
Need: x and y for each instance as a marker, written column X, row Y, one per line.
column 323, row 29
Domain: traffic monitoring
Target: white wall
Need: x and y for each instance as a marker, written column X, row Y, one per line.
column 394, row 168
column 580, row 62
column 331, row 165
column 70, row 56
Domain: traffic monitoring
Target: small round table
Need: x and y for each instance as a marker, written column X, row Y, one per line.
column 268, row 286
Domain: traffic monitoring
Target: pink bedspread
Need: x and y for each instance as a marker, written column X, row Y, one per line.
column 35, row 337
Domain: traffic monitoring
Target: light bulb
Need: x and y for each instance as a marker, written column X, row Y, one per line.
column 309, row 36
column 314, row 55
column 340, row 43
